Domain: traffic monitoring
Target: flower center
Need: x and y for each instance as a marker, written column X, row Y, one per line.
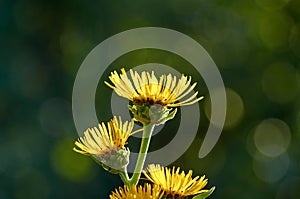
column 151, row 94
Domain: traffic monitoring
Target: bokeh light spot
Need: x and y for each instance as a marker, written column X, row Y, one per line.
column 235, row 108
column 272, row 137
column 270, row 170
column 295, row 40
column 274, row 30
column 271, row 4
column 280, row 82
column 69, row 164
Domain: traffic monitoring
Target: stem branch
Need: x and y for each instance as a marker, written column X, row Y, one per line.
column 124, row 176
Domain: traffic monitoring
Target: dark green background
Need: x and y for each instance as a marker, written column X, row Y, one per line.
column 255, row 44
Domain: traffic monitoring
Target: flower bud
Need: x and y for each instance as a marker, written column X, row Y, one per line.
column 155, row 114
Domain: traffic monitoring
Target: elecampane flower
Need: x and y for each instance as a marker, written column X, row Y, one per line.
column 147, row 89
column 104, row 139
column 175, row 183
column 137, row 192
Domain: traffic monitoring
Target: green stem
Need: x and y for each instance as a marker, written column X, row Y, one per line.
column 148, row 129
column 124, row 176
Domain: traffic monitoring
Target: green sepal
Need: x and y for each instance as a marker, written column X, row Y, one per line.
column 115, row 162
column 155, row 114
column 204, row 194
column 170, row 116
column 140, row 113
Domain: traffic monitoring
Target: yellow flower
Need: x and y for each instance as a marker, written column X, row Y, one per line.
column 136, row 192
column 174, row 183
column 146, row 89
column 106, row 143
column 102, row 140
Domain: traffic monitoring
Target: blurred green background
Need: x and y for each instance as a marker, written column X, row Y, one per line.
column 255, row 44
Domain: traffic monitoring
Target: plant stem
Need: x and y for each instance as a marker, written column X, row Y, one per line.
column 124, row 176
column 148, row 129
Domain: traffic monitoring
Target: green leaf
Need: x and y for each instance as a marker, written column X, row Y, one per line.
column 204, row 194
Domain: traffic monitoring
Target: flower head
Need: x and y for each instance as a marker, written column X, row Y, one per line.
column 106, row 143
column 146, row 192
column 147, row 89
column 175, row 183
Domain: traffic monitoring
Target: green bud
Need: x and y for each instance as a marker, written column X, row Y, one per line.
column 155, row 114
column 114, row 162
